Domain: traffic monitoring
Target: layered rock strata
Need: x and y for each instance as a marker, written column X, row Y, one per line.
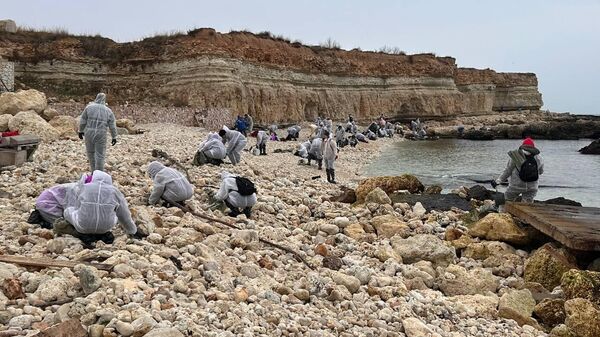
column 274, row 80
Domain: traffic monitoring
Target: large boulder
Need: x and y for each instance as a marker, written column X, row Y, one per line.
column 128, row 125
column 414, row 327
column 424, row 247
column 378, row 196
column 389, row 225
column 581, row 284
column 517, row 305
column 456, row 280
column 66, row 126
column 23, row 100
column 389, row 184
column 583, row 317
column 164, row 332
column 29, row 122
column 4, row 122
column 593, row 148
column 551, row 311
column 499, row 227
column 547, row 265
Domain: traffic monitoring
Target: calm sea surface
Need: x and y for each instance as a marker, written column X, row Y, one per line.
column 455, row 162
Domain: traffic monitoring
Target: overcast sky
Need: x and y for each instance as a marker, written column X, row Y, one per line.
column 557, row 40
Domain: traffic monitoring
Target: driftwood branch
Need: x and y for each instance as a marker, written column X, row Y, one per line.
column 162, row 154
column 49, row 263
column 230, row 225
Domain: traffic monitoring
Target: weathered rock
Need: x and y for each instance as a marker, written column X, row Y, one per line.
column 378, row 196
column 355, row 231
column 23, row 100
column 478, row 135
column 581, row 284
column 389, row 225
column 562, row 201
column 433, row 189
column 125, row 329
column 547, row 265
column 593, row 148
column 562, row 330
column 388, row 185
column 350, row 282
column 164, row 332
column 583, row 317
column 424, row 247
column 69, row 328
column 52, row 290
column 456, row 280
column 142, row 325
column 65, row 125
column 48, row 114
column 479, row 192
column 499, row 227
column 517, row 305
column 88, row 278
column 438, row 202
column 551, row 312
column 12, row 288
column 414, row 327
column 478, row 305
column 347, row 196
column 4, row 122
column 29, row 122
column 332, row 262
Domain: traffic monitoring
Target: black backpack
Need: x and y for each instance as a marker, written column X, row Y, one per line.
column 529, row 170
column 245, row 187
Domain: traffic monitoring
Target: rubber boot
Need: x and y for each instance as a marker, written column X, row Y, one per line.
column 332, row 172
column 320, row 163
column 328, row 175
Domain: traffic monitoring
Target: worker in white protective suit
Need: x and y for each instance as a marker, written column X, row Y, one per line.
column 51, row 203
column 97, row 208
column 95, row 120
column 261, row 142
column 236, row 142
column 238, row 199
column 211, row 151
column 169, row 184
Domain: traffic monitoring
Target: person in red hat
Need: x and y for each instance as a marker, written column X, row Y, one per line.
column 523, row 170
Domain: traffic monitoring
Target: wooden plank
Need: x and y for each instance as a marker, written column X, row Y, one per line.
column 49, row 263
column 575, row 227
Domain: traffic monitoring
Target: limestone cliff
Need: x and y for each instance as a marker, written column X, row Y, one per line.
column 274, row 80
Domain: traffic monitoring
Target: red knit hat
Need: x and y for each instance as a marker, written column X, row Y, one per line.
column 528, row 142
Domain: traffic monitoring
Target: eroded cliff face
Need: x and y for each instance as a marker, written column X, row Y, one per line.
column 273, row 80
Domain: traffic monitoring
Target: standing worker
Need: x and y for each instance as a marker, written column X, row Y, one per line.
column 249, row 123
column 95, row 119
column 329, row 156
column 524, row 168
column 261, row 142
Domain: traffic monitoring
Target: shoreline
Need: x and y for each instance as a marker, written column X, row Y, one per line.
column 372, row 273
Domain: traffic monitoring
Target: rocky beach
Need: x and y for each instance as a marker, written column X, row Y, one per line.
column 373, row 267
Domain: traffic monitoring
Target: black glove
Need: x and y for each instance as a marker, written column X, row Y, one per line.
column 494, row 183
column 113, row 142
column 139, row 235
column 81, row 135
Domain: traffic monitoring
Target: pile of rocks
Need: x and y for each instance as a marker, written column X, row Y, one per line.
column 28, row 112
column 378, row 267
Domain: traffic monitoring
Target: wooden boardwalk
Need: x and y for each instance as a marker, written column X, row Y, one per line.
column 575, row 227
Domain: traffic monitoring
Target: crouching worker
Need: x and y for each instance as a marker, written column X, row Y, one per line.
column 238, row 193
column 293, row 132
column 51, row 204
column 98, row 207
column 315, row 152
column 236, row 142
column 212, row 151
column 169, row 185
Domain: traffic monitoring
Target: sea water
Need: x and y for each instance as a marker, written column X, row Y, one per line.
column 451, row 163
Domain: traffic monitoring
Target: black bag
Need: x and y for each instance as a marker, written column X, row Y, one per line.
column 245, row 187
column 529, row 170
